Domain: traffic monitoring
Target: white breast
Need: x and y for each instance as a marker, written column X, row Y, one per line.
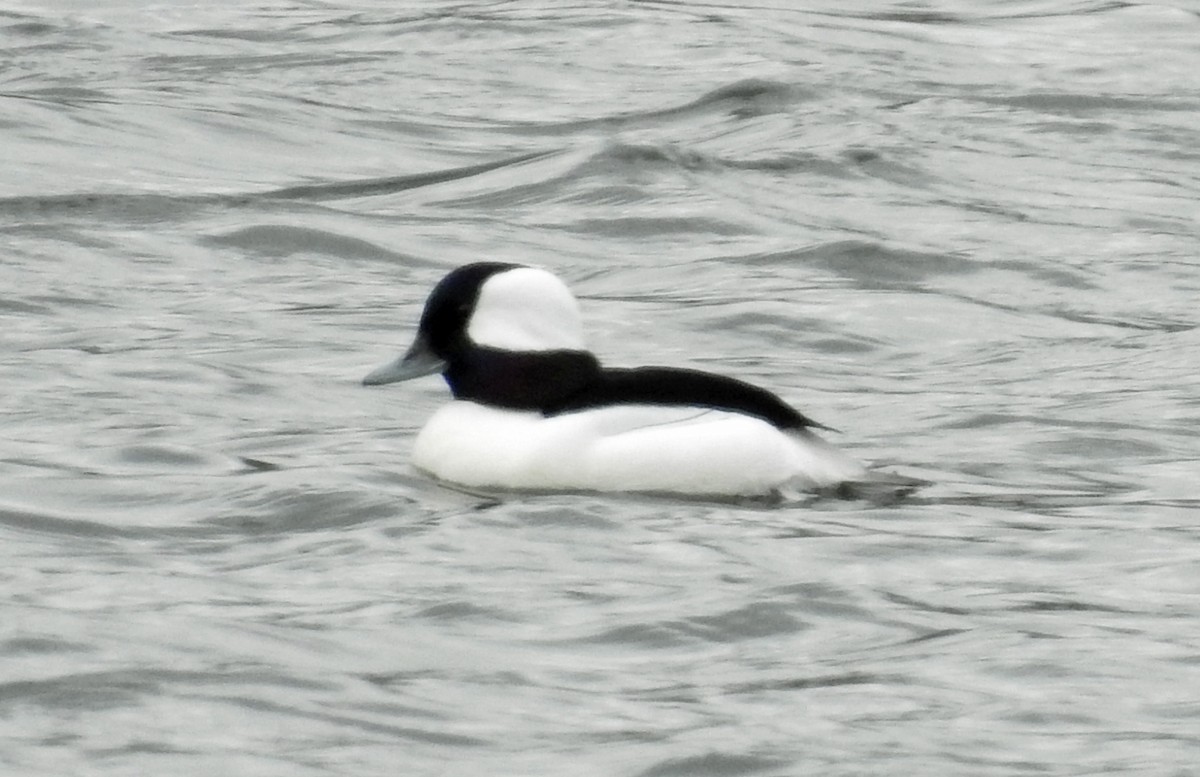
column 625, row 448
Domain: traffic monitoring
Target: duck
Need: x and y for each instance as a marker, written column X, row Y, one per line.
column 534, row 410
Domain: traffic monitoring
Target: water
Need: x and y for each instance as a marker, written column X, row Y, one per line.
column 962, row 232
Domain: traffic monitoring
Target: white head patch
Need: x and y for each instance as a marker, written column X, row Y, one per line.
column 526, row 309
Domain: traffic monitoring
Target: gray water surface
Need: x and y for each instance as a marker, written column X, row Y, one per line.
column 964, row 233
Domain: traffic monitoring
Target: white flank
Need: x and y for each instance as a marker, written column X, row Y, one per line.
column 625, row 448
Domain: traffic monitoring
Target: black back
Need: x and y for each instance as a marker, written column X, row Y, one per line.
column 675, row 386
column 557, row 382
column 566, row 381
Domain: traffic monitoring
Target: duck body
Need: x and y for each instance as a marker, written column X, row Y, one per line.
column 534, row 410
column 646, row 448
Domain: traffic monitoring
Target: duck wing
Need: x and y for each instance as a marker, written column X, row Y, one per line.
column 673, row 386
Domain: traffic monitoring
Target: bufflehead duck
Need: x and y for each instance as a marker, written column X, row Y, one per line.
column 534, row 409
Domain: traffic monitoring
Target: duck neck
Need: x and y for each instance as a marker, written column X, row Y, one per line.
column 521, row 380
